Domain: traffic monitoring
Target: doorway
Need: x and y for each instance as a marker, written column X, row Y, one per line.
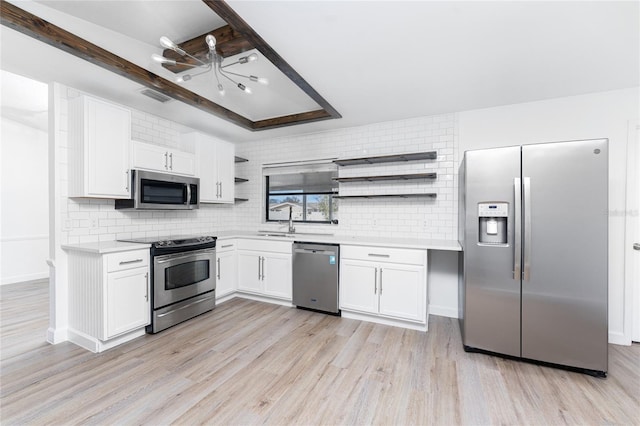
column 24, row 179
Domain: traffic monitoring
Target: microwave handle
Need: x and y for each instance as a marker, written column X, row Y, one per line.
column 188, row 194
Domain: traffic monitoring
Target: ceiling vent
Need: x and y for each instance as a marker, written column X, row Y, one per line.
column 155, row 95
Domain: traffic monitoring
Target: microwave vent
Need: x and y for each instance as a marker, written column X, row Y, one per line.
column 155, row 95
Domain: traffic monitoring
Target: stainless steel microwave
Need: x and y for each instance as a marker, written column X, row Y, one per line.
column 161, row 191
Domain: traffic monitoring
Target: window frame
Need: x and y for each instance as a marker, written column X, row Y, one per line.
column 303, row 195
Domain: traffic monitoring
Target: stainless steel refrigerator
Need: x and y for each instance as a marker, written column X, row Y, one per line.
column 534, row 230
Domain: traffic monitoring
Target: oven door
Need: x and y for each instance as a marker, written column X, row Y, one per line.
column 183, row 275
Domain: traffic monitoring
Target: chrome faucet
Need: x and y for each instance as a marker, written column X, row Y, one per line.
column 291, row 228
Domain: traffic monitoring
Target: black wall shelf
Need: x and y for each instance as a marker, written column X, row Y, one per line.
column 429, row 155
column 240, row 159
column 241, row 180
column 422, row 195
column 387, row 177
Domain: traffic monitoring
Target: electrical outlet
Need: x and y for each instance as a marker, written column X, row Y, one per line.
column 94, row 223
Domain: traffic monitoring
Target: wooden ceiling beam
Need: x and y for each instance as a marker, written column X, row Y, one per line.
column 31, row 25
column 26, row 23
column 224, row 11
column 228, row 43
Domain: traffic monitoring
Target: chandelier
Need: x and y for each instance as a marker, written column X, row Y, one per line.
column 213, row 61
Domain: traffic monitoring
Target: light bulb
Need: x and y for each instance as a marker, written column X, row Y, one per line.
column 162, row 60
column 260, row 80
column 183, row 78
column 221, row 89
column 211, row 41
column 168, row 44
column 244, row 88
column 252, row 57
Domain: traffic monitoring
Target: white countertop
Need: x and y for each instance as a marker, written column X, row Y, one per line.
column 103, row 247
column 351, row 240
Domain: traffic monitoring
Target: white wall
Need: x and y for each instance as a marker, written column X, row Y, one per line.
column 24, row 218
column 599, row 115
column 377, row 217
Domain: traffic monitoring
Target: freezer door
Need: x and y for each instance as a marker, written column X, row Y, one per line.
column 564, row 291
column 491, row 300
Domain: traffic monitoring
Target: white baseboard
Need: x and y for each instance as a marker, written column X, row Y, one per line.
column 96, row 345
column 382, row 320
column 266, row 299
column 23, row 278
column 617, row 338
column 443, row 311
column 55, row 336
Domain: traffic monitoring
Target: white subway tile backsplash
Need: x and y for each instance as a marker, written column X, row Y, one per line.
column 395, row 217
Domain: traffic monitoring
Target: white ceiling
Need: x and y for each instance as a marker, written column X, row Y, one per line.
column 374, row 61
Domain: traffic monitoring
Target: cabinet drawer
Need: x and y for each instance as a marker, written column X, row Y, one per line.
column 265, row 245
column 225, row 245
column 384, row 254
column 127, row 260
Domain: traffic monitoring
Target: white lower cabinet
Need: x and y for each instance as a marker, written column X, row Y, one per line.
column 264, row 268
column 384, row 284
column 226, row 268
column 127, row 306
column 109, row 297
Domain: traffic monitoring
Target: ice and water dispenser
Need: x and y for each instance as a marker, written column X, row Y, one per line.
column 492, row 222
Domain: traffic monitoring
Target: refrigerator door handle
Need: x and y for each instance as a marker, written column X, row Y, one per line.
column 527, row 229
column 517, row 238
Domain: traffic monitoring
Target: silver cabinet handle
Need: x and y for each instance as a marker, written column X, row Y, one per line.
column 127, row 185
column 527, row 229
column 262, row 268
column 226, row 246
column 375, row 282
column 259, row 268
column 378, row 255
column 636, row 246
column 171, row 161
column 146, row 295
column 166, row 160
column 127, row 262
column 380, row 281
column 218, row 261
column 517, row 238
column 220, row 189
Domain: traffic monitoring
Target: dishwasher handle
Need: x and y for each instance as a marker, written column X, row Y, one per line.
column 313, row 251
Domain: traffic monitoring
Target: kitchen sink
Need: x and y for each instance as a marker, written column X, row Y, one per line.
column 275, row 234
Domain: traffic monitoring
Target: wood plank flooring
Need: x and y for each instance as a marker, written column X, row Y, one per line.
column 253, row 363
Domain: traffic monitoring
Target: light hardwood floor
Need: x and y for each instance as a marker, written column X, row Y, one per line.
column 249, row 362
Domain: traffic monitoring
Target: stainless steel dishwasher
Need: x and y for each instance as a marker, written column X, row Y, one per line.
column 315, row 276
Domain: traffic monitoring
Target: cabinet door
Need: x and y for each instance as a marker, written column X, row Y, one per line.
column 358, row 286
column 225, row 161
column 127, row 301
column 226, row 273
column 403, row 291
column 207, row 170
column 249, row 271
column 181, row 162
column 150, row 157
column 107, row 136
column 277, row 275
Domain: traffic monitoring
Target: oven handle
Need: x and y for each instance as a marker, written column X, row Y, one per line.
column 176, row 256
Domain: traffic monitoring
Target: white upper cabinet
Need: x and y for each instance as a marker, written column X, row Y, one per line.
column 99, row 141
column 215, row 168
column 158, row 158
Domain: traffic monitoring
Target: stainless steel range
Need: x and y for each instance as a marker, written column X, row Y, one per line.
column 183, row 277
